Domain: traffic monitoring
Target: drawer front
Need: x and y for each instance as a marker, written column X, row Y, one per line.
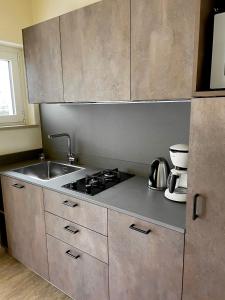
column 76, row 273
column 77, row 236
column 145, row 260
column 77, row 211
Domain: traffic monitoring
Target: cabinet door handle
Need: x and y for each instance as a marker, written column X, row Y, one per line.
column 18, row 186
column 194, row 212
column 69, row 253
column 133, row 227
column 70, row 203
column 71, row 229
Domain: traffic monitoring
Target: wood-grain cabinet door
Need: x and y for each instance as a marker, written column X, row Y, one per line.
column 204, row 261
column 24, row 213
column 43, row 62
column 96, row 52
column 162, row 47
column 144, row 266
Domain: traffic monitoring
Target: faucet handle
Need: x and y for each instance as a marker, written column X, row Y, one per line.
column 71, row 158
column 42, row 156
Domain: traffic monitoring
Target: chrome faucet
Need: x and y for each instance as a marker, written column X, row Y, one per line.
column 71, row 157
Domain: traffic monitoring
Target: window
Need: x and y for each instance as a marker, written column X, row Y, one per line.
column 12, row 86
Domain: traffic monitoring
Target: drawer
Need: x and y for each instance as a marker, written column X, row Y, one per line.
column 77, row 236
column 76, row 273
column 77, row 211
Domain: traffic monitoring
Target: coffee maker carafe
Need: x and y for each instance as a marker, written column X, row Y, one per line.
column 177, row 180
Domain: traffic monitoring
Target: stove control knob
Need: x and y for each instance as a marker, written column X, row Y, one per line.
column 88, row 188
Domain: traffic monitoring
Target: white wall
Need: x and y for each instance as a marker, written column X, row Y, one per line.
column 46, row 9
column 15, row 15
column 19, row 140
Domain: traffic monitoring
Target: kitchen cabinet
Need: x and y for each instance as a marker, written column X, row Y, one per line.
column 76, row 273
column 204, row 261
column 42, row 53
column 113, row 50
column 96, row 52
column 145, row 260
column 25, row 224
column 162, row 49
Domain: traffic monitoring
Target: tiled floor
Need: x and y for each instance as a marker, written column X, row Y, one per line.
column 19, row 283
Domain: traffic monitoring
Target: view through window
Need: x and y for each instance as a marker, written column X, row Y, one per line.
column 7, row 99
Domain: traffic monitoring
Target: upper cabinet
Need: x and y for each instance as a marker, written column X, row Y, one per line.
column 162, row 47
column 114, row 50
column 43, row 62
column 96, row 52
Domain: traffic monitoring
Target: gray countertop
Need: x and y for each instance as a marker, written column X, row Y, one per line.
column 131, row 197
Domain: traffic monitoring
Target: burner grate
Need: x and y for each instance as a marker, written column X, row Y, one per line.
column 98, row 182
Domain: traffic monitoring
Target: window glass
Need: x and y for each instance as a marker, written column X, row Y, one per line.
column 7, row 99
column 13, row 97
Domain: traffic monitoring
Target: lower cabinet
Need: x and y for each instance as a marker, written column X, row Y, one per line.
column 145, row 260
column 136, row 261
column 25, row 224
column 76, row 273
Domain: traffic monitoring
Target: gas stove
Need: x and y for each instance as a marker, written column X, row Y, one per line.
column 98, row 182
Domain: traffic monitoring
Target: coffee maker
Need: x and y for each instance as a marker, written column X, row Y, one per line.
column 177, row 180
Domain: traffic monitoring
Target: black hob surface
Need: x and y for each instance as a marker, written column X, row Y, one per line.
column 98, row 182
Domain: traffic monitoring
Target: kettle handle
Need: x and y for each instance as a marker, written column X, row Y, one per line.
column 153, row 167
column 172, row 182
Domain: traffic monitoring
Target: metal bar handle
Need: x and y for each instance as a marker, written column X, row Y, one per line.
column 18, row 186
column 69, row 253
column 70, row 203
column 194, row 212
column 71, row 229
column 133, row 227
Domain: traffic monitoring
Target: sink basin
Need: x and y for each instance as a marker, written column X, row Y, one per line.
column 47, row 170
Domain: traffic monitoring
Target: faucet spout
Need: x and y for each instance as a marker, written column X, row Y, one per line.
column 70, row 155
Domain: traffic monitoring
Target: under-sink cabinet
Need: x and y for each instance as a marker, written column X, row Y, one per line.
column 25, row 224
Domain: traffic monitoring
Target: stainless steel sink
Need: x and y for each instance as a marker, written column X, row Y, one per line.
column 47, row 170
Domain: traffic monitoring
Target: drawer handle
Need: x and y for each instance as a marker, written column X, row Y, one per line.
column 18, row 186
column 71, row 229
column 194, row 212
column 70, row 203
column 133, row 227
column 69, row 253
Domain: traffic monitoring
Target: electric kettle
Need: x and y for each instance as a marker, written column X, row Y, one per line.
column 159, row 172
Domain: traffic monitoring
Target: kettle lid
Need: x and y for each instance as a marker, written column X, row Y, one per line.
column 184, row 148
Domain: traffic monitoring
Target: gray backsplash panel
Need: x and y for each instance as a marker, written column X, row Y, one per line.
column 128, row 136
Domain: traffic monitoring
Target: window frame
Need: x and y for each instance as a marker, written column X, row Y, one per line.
column 15, row 56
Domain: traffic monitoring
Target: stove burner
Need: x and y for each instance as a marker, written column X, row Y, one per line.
column 98, row 182
column 111, row 174
column 93, row 180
